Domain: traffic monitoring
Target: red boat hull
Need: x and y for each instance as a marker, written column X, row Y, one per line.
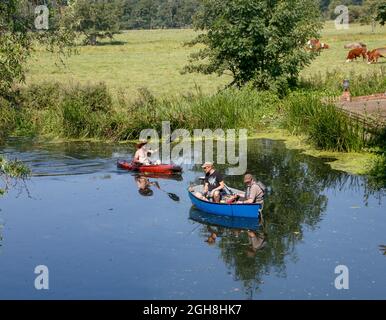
column 161, row 168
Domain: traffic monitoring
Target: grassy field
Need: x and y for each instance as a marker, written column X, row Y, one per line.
column 139, row 58
column 154, row 59
column 335, row 58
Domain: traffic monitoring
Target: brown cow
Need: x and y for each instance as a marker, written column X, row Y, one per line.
column 374, row 55
column 355, row 53
column 316, row 45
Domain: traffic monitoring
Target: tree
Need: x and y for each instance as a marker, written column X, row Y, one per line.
column 370, row 13
column 98, row 18
column 18, row 36
column 381, row 16
column 150, row 14
column 262, row 42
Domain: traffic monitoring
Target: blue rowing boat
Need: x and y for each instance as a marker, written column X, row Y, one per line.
column 223, row 209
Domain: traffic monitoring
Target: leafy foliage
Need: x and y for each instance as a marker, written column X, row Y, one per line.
column 381, row 17
column 18, row 37
column 150, row 14
column 258, row 41
column 10, row 170
column 98, row 18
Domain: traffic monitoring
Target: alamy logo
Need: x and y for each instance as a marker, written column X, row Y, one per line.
column 343, row 19
column 42, row 280
column 342, row 280
column 180, row 152
column 41, row 21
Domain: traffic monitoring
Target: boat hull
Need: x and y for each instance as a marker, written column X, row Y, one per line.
column 224, row 209
column 161, row 168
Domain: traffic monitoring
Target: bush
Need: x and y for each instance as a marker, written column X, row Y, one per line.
column 41, row 96
column 326, row 126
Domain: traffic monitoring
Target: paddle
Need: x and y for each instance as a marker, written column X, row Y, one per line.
column 172, row 196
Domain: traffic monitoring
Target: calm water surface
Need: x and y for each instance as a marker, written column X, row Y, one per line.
column 86, row 221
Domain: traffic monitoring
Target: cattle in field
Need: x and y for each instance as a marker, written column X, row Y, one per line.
column 374, row 55
column 355, row 45
column 316, row 45
column 356, row 53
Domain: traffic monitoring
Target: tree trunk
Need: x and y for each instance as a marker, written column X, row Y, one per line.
column 373, row 25
column 93, row 39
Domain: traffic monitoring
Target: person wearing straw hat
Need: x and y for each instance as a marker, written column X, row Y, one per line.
column 141, row 156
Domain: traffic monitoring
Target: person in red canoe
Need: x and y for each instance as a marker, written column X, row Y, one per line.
column 141, row 156
column 213, row 184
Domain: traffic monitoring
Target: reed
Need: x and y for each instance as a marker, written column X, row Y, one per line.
column 326, row 126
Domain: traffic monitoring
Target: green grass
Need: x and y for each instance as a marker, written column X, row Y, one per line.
column 147, row 58
column 154, row 59
column 334, row 59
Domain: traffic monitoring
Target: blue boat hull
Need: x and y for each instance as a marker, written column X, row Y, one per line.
column 223, row 209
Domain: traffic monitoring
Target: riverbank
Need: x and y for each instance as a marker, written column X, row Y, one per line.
column 350, row 162
column 301, row 119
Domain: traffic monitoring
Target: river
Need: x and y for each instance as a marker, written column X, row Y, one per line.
column 101, row 239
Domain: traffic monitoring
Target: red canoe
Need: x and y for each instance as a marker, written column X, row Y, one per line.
column 160, row 168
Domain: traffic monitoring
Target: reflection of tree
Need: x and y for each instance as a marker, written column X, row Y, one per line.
column 1, row 235
column 295, row 200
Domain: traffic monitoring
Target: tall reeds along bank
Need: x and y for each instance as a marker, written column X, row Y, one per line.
column 325, row 125
column 361, row 84
column 91, row 111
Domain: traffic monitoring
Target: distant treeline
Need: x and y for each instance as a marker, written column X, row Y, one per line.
column 155, row 14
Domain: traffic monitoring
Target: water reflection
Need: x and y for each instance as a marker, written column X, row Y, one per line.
column 144, row 185
column 295, row 200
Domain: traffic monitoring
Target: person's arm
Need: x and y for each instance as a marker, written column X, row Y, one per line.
column 220, row 187
column 206, row 187
column 253, row 195
column 152, row 151
column 136, row 157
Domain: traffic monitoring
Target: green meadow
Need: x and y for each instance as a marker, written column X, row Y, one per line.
column 154, row 59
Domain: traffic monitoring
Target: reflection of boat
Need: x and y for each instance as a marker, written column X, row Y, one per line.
column 239, row 223
column 224, row 209
column 161, row 168
column 176, row 177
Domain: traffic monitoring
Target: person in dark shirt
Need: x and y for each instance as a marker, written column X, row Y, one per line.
column 213, row 183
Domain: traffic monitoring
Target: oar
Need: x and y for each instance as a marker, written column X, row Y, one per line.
column 172, row 196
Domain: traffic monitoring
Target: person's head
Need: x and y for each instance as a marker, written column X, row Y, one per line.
column 207, row 167
column 248, row 179
column 146, row 192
